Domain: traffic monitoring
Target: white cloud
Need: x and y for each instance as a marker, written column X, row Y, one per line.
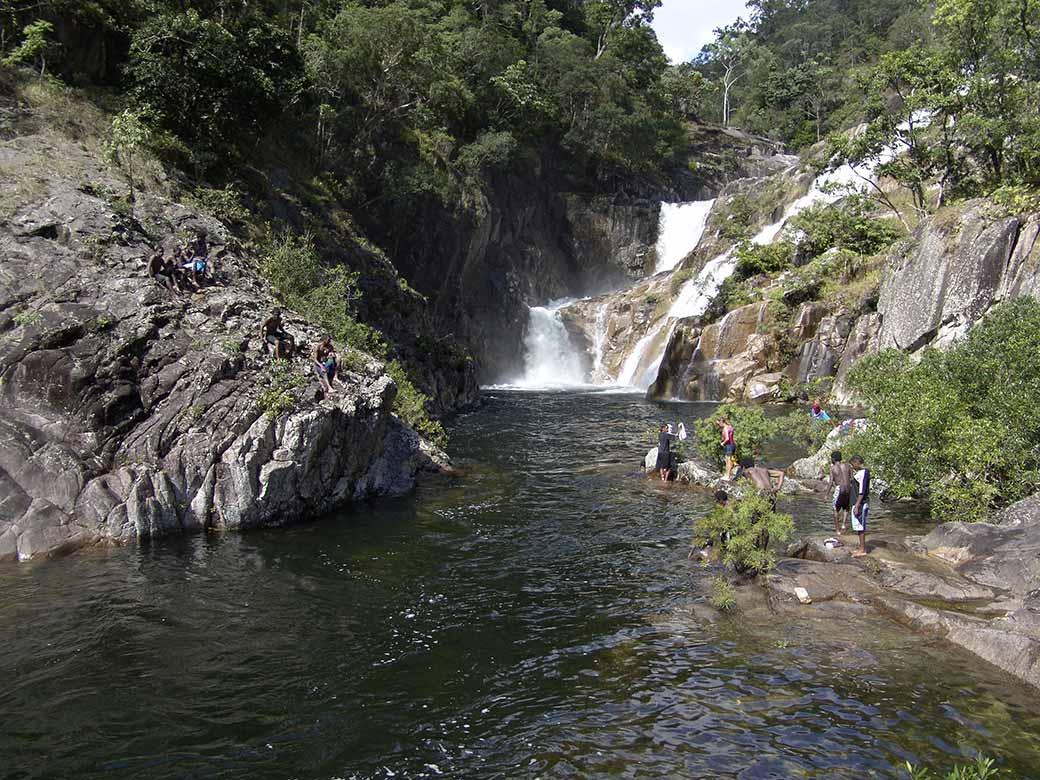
column 684, row 26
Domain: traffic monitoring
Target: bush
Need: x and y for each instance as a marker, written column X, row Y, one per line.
column 722, row 596
column 742, row 531
column 961, row 426
column 850, row 224
column 754, row 259
column 751, row 430
column 806, row 433
column 281, row 384
column 981, row 769
column 410, row 406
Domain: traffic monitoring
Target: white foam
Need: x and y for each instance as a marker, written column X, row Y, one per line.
column 679, row 231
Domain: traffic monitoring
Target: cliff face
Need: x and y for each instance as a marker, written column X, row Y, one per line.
column 933, row 287
column 538, row 237
column 130, row 411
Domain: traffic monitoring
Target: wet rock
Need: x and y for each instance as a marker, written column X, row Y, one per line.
column 764, row 387
column 1004, row 554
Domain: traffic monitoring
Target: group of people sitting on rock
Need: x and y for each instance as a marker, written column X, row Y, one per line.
column 280, row 343
column 849, row 482
column 186, row 268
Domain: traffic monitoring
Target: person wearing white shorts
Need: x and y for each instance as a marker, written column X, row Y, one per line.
column 861, row 509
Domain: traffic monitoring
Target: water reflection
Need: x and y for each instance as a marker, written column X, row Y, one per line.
column 536, row 617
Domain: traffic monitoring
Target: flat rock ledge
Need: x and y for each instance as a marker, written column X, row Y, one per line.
column 976, row 585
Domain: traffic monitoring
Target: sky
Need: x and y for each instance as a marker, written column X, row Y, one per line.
column 684, row 26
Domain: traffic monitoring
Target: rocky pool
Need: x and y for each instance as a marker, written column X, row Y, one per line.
column 535, row 617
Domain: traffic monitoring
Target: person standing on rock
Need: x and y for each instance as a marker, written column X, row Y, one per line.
column 861, row 484
column 664, row 452
column 762, row 479
column 841, row 500
column 729, row 445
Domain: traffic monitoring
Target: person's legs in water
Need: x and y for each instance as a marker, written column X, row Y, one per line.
column 859, row 525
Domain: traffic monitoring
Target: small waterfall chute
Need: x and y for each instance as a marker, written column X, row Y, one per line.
column 550, row 357
column 679, row 231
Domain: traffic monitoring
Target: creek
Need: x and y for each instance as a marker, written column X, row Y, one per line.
column 534, row 617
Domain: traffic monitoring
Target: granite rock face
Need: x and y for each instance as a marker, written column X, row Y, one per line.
column 975, row 584
column 129, row 411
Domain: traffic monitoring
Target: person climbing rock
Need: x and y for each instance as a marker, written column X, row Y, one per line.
column 729, row 445
column 664, row 452
column 762, row 479
column 841, row 498
column 273, row 334
column 861, row 509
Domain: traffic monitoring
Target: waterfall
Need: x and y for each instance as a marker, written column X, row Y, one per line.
column 599, row 344
column 679, row 231
column 550, row 358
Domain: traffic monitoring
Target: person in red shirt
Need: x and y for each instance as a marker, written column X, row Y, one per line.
column 729, row 445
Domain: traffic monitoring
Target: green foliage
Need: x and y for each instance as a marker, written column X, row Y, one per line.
column 128, row 136
column 962, row 426
column 741, row 532
column 722, row 595
column 980, row 769
column 850, row 225
column 679, row 278
column 34, row 46
column 27, row 318
column 754, row 259
column 806, row 433
column 213, row 82
column 751, row 430
column 280, row 385
column 410, row 406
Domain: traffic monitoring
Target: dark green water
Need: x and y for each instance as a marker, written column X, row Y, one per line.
column 536, row 618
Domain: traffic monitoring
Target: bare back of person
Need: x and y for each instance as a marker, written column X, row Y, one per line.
column 841, row 475
column 759, row 478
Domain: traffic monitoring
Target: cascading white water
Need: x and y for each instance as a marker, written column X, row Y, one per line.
column 679, row 231
column 550, row 357
column 696, row 295
column 599, row 344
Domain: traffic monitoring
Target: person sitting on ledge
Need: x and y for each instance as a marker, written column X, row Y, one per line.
column 325, row 364
column 161, row 270
column 273, row 334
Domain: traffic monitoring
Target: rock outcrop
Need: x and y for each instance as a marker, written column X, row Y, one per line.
column 129, row 411
column 935, row 285
column 975, row 584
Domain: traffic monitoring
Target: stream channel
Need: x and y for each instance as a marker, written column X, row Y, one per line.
column 534, row 617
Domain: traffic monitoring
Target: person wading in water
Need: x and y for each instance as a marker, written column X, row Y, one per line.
column 664, row 453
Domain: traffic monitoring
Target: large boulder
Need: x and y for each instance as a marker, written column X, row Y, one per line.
column 946, row 276
column 818, row 465
column 1004, row 554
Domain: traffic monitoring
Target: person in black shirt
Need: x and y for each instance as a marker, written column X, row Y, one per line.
column 664, row 453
